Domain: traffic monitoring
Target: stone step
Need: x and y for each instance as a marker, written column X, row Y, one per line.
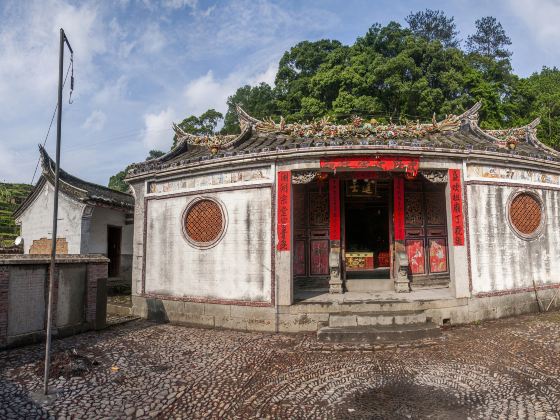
column 369, row 285
column 362, row 319
column 379, row 333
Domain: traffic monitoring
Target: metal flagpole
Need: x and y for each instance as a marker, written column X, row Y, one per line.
column 63, row 40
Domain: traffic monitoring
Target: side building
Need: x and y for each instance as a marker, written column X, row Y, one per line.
column 291, row 227
column 92, row 220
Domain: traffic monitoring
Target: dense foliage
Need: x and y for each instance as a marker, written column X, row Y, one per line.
column 11, row 196
column 397, row 74
column 116, row 182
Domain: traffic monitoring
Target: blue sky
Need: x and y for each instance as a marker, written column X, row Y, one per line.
column 140, row 64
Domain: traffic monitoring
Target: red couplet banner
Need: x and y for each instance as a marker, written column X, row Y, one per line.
column 398, row 208
column 284, row 187
column 334, row 209
column 456, row 196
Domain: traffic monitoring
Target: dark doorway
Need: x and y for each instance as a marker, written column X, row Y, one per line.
column 114, row 234
column 367, row 233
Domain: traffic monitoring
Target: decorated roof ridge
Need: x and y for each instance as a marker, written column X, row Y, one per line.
column 316, row 129
column 357, row 128
column 510, row 137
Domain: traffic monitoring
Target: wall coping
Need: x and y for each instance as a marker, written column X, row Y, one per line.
column 15, row 259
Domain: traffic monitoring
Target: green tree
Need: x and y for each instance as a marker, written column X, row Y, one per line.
column 544, row 90
column 433, row 25
column 295, row 69
column 259, row 101
column 116, row 182
column 154, row 154
column 205, row 124
column 490, row 39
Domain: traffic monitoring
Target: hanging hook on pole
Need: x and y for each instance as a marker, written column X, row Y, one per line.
column 70, row 101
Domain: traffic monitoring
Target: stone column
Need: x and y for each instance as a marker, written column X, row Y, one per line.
column 335, row 280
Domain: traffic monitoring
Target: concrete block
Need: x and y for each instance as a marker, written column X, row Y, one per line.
column 265, row 325
column 217, row 310
column 343, row 321
column 193, row 319
column 296, row 323
column 193, row 307
column 239, row 324
column 253, row 312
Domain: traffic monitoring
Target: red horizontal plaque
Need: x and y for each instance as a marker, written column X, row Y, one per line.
column 380, row 163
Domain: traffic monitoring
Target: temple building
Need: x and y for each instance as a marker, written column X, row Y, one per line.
column 92, row 219
column 318, row 226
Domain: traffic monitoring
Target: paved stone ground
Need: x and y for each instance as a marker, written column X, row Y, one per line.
column 502, row 369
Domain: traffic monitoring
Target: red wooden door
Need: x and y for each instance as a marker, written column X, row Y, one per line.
column 426, row 230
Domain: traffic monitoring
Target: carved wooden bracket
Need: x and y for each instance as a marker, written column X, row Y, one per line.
column 304, row 177
column 435, row 175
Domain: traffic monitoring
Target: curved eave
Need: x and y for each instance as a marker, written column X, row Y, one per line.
column 183, row 146
column 304, row 152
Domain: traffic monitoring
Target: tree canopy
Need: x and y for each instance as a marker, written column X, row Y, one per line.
column 433, row 25
column 397, row 73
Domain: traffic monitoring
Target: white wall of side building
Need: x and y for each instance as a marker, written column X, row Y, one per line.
column 100, row 219
column 36, row 219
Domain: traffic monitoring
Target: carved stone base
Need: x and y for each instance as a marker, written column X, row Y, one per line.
column 335, row 282
column 402, row 286
column 335, row 288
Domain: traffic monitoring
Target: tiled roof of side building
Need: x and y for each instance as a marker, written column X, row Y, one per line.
column 456, row 133
column 77, row 188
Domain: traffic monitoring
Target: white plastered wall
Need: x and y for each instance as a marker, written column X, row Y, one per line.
column 238, row 267
column 500, row 260
column 36, row 220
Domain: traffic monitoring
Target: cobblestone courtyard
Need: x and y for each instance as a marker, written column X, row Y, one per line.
column 502, row 369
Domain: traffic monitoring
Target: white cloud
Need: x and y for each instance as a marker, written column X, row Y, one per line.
column 152, row 39
column 267, row 76
column 96, row 121
column 179, row 4
column 111, row 92
column 541, row 18
column 157, row 129
column 208, row 92
column 29, row 59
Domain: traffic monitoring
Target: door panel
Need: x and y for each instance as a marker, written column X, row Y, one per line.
column 319, row 257
column 114, row 250
column 426, row 228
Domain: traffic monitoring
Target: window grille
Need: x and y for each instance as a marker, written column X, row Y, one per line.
column 525, row 214
column 204, row 222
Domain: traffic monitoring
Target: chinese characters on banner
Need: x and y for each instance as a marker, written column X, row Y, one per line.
column 398, row 195
column 456, row 195
column 382, row 163
column 284, row 193
column 334, row 209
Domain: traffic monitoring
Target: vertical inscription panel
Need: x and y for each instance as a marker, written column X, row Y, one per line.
column 26, row 299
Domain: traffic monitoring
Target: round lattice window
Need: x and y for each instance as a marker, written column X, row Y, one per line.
column 526, row 214
column 204, row 222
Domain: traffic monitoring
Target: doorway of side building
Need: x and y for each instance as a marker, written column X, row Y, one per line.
column 114, row 236
column 367, row 234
